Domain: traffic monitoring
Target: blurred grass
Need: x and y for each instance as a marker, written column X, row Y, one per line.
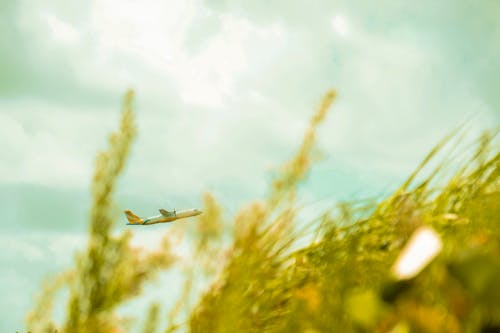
column 261, row 281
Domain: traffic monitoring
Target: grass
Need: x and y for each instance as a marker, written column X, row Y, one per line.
column 339, row 282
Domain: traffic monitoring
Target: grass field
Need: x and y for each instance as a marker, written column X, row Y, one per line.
column 257, row 277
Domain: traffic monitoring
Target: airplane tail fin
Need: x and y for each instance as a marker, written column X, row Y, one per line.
column 132, row 218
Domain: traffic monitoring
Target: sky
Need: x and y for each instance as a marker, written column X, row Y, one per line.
column 224, row 92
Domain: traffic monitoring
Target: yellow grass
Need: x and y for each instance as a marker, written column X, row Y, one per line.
column 340, row 282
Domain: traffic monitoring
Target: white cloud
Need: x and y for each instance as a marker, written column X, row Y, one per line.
column 223, row 109
column 49, row 145
column 340, row 25
column 145, row 44
column 394, row 105
column 61, row 30
column 155, row 34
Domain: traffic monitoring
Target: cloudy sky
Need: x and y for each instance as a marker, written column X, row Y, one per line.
column 224, row 91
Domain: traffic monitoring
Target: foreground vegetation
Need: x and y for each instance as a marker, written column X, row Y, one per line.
column 341, row 281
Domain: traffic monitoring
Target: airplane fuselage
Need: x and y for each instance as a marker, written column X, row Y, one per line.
column 170, row 217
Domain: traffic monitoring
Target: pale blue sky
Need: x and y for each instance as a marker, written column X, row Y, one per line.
column 224, row 92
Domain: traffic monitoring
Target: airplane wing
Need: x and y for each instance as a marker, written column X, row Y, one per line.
column 165, row 212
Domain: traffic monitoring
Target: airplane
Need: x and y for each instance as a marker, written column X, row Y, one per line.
column 166, row 216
